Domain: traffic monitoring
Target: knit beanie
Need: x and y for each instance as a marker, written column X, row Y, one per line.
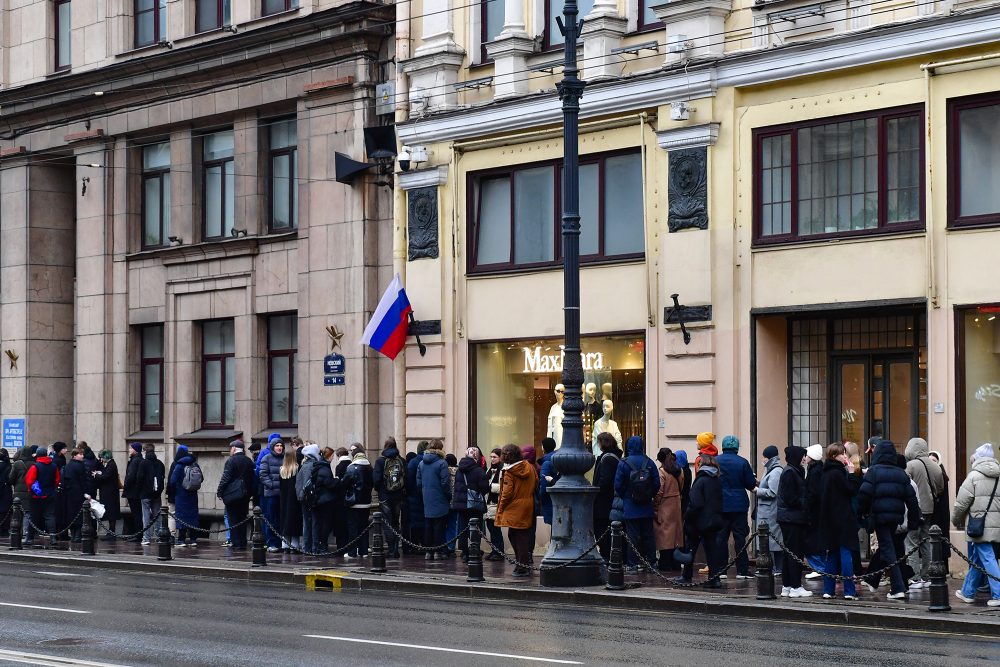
column 770, row 452
column 815, row 452
column 985, row 451
column 706, row 438
column 136, row 447
column 730, row 444
column 709, row 449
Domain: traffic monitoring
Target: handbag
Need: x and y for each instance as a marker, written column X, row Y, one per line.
column 976, row 527
column 474, row 501
column 234, row 492
column 97, row 509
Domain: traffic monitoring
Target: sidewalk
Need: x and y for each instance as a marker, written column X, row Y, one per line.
column 414, row 575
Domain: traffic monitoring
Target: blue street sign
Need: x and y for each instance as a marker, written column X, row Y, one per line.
column 13, row 433
column 333, row 364
column 333, row 380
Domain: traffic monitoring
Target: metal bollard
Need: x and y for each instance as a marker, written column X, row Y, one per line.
column 16, row 525
column 475, row 552
column 616, row 571
column 765, row 564
column 165, row 543
column 376, row 544
column 938, row 572
column 258, row 551
column 86, row 531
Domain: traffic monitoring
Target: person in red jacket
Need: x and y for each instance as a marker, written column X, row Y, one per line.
column 42, row 481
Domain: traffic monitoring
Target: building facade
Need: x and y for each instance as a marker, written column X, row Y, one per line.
column 814, row 181
column 177, row 256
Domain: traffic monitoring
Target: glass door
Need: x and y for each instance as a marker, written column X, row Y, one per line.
column 876, row 396
column 852, row 396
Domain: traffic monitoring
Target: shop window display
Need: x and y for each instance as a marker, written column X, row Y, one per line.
column 519, row 392
column 979, row 368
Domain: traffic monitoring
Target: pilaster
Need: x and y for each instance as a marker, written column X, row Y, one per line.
column 603, row 30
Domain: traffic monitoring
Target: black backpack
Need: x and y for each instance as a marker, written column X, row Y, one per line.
column 640, row 484
column 307, row 492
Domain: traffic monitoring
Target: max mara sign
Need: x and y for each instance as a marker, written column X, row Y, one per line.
column 535, row 361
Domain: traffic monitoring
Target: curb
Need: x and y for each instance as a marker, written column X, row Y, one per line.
column 632, row 600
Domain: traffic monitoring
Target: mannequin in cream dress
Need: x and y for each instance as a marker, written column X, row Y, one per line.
column 555, row 429
column 606, row 425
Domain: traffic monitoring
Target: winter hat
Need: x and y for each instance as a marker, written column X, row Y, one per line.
column 815, row 452
column 682, row 458
column 709, row 449
column 40, row 452
column 770, row 452
column 237, row 443
column 33, row 448
column 311, row 450
column 730, row 444
column 794, row 455
column 473, row 453
column 105, row 454
column 548, row 445
column 528, row 453
column 274, row 436
column 58, row 446
column 985, row 451
column 706, row 438
column 136, row 447
column 254, row 446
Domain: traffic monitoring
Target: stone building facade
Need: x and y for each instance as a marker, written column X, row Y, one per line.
column 174, row 243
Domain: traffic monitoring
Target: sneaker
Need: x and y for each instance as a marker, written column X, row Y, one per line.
column 744, row 576
column 800, row 593
column 917, row 584
column 813, row 575
column 871, row 588
column 785, row 591
column 850, row 597
column 680, row 580
column 521, row 572
column 273, row 550
column 993, row 603
column 145, row 543
column 721, row 576
column 896, row 596
column 180, row 545
column 827, row 596
column 961, row 596
column 227, row 543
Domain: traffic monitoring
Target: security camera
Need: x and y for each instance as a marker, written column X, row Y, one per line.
column 404, row 158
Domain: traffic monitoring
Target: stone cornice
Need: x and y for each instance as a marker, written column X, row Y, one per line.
column 423, row 178
column 679, row 10
column 690, row 136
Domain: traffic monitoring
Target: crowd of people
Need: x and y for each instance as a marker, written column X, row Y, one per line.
column 822, row 504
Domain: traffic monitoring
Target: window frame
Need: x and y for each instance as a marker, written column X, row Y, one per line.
column 290, row 354
column 144, row 363
column 159, row 31
column 220, row 6
column 954, row 190
column 547, row 36
column 221, row 358
column 882, row 227
column 484, row 57
column 475, row 209
column 293, row 153
column 57, row 46
column 641, row 25
column 147, row 175
column 205, row 166
column 289, row 6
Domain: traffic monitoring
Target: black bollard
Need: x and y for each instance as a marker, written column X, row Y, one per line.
column 475, row 552
column 616, row 572
column 257, row 549
column 376, row 544
column 16, row 525
column 86, row 531
column 765, row 565
column 163, row 537
column 938, row 572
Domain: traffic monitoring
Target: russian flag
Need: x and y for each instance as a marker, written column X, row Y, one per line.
column 386, row 332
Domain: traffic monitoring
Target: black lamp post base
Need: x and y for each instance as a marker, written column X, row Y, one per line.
column 579, row 574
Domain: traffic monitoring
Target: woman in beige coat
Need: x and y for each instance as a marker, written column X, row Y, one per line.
column 668, row 527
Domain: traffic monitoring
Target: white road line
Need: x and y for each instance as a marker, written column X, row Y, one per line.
column 31, row 606
column 49, row 660
column 62, row 574
column 446, row 650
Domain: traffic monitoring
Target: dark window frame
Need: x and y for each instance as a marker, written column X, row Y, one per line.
column 961, row 384
column 547, row 35
column 955, row 108
column 58, row 47
column 159, row 31
column 206, row 165
column 791, row 129
column 148, row 175
column 641, row 25
column 483, row 32
column 145, row 362
column 290, row 354
column 475, row 208
column 205, row 360
column 288, row 6
column 219, row 7
column 292, row 152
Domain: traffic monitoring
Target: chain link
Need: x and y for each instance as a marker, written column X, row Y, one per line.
column 206, row 531
column 687, row 584
column 340, row 549
column 132, row 536
column 513, row 561
column 971, row 564
column 41, row 531
column 418, row 547
column 857, row 577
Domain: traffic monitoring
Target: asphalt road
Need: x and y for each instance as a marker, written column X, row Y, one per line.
column 100, row 618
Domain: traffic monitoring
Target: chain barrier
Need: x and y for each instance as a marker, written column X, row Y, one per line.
column 9, row 512
column 513, row 561
column 320, row 554
column 688, row 584
column 967, row 560
column 131, row 536
column 414, row 545
column 206, row 531
column 856, row 577
column 42, row 532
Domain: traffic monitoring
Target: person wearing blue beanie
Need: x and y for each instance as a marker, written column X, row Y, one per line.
column 737, row 478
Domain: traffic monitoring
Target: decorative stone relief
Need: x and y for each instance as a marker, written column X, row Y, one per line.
column 688, row 189
column 422, row 223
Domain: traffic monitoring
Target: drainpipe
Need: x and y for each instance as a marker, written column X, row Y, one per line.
column 399, row 220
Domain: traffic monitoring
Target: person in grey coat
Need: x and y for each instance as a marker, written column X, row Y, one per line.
column 767, row 502
column 270, row 480
column 979, row 496
column 930, row 484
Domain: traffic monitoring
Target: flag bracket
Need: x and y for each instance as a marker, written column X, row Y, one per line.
column 420, row 345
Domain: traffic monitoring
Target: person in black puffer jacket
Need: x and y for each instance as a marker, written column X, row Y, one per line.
column 885, row 493
column 604, row 479
column 391, row 492
column 703, row 522
column 793, row 519
column 470, row 476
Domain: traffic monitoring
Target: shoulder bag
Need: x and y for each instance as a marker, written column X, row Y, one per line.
column 474, row 501
column 976, row 527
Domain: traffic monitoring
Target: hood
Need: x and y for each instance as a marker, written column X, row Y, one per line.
column 711, row 471
column 634, row 446
column 181, row 451
column 682, row 458
column 730, row 444
column 361, row 459
column 988, row 467
column 432, row 455
column 916, row 448
column 772, row 463
column 272, row 445
column 312, row 451
column 24, row 454
column 794, row 455
column 89, row 455
column 528, row 453
column 885, row 453
column 44, row 460
column 518, row 470
column 468, row 463
column 185, row 460
column 390, row 452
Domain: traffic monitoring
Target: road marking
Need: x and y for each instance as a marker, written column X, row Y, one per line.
column 49, row 660
column 446, row 650
column 62, row 574
column 31, row 606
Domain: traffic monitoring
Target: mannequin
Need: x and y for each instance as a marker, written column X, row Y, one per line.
column 591, row 406
column 606, row 391
column 606, row 425
column 555, row 429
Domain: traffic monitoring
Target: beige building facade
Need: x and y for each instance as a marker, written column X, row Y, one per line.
column 810, row 179
column 175, row 246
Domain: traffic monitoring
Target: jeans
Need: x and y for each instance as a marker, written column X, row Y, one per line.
column 225, row 520
column 884, row 535
column 496, row 536
column 640, row 533
column 434, row 531
column 150, row 509
column 391, row 515
column 451, row 530
column 271, row 509
column 839, row 562
column 791, row 571
column 308, row 531
column 981, row 553
column 737, row 526
column 919, row 560
column 357, row 522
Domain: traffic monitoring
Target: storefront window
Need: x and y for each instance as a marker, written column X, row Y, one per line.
column 979, row 382
column 518, row 391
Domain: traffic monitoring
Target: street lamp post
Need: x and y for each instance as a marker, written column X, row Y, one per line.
column 570, row 561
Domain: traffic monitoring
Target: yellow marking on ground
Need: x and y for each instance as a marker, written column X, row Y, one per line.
column 325, row 580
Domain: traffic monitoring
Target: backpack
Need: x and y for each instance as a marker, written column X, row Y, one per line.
column 394, row 474
column 305, row 485
column 355, row 486
column 193, row 477
column 640, row 484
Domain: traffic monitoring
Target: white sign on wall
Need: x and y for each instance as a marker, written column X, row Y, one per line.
column 535, row 361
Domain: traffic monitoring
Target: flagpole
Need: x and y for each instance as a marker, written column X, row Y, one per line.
column 416, row 334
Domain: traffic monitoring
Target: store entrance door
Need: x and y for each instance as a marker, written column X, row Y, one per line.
column 875, row 395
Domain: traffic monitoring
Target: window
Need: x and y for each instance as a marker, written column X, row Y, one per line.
column 64, row 25
column 282, row 352
column 275, row 6
column 491, row 22
column 517, row 213
column 155, row 195
column 284, row 176
column 218, row 368
column 647, row 17
column 150, row 22
column 151, row 380
column 974, row 168
column 841, row 177
column 211, row 14
column 978, row 332
column 553, row 9
column 219, row 196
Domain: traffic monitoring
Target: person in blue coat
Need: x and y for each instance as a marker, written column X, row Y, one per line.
column 185, row 501
column 737, row 478
column 435, row 488
column 637, row 481
column 546, row 478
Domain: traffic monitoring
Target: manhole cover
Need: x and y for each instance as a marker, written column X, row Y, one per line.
column 68, row 641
